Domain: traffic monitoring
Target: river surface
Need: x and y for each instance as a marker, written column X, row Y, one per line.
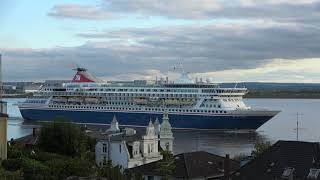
column 282, row 127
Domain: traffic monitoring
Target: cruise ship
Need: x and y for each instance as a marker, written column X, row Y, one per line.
column 190, row 104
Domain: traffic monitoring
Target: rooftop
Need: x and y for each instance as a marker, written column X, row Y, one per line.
column 282, row 159
column 192, row 165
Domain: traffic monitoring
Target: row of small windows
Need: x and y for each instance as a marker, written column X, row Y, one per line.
column 36, row 101
column 133, row 90
column 211, row 105
column 121, row 94
column 233, row 100
column 139, row 109
column 223, row 91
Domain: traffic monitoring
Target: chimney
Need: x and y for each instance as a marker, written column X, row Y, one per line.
column 34, row 132
column 227, row 167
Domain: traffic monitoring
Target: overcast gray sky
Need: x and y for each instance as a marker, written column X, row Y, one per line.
column 235, row 40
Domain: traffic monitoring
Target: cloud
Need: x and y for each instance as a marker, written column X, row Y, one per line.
column 279, row 70
column 76, row 11
column 275, row 10
column 169, row 8
column 148, row 52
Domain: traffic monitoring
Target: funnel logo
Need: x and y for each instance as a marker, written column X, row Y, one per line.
column 77, row 78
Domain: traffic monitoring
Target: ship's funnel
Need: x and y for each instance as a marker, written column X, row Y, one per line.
column 82, row 76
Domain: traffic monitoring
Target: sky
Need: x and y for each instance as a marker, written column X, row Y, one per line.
column 224, row 41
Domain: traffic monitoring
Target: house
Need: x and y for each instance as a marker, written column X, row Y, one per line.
column 129, row 149
column 288, row 160
column 29, row 141
column 193, row 165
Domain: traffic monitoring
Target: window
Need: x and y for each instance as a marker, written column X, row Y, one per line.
column 313, row 173
column 288, row 172
column 104, row 148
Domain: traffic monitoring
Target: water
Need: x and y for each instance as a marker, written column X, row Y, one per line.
column 282, row 127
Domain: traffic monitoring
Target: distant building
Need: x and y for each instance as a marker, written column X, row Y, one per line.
column 9, row 89
column 129, row 148
column 55, row 83
column 285, row 160
column 193, row 165
column 32, row 87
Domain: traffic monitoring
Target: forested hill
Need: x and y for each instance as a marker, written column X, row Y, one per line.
column 279, row 90
column 275, row 86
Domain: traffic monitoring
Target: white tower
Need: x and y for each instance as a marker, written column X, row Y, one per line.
column 166, row 135
column 114, row 126
column 149, row 145
column 157, row 127
column 3, row 121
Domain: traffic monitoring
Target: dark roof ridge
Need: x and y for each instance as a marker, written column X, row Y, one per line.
column 291, row 141
column 185, row 165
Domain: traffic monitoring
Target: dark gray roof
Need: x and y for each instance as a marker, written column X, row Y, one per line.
column 120, row 136
column 284, row 154
column 3, row 115
column 27, row 140
column 191, row 165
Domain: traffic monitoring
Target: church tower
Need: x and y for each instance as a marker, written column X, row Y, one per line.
column 3, row 122
column 166, row 135
column 157, row 127
column 114, row 126
column 149, row 142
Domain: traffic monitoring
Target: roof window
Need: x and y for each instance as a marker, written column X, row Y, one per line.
column 288, row 173
column 313, row 173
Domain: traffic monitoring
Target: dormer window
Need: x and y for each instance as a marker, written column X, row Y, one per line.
column 288, row 173
column 314, row 173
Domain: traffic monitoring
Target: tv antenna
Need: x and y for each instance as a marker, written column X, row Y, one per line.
column 297, row 125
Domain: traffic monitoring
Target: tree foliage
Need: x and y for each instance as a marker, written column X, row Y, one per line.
column 64, row 150
column 63, row 137
column 112, row 172
column 260, row 147
column 167, row 165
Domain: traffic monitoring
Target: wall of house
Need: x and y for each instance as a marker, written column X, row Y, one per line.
column 100, row 154
column 3, row 138
column 119, row 157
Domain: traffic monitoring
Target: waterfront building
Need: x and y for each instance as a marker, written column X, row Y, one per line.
column 3, row 130
column 129, row 148
column 192, row 165
column 3, row 121
column 289, row 160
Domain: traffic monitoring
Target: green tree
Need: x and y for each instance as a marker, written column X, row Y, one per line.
column 35, row 170
column 111, row 172
column 9, row 174
column 63, row 137
column 167, row 165
column 260, row 147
